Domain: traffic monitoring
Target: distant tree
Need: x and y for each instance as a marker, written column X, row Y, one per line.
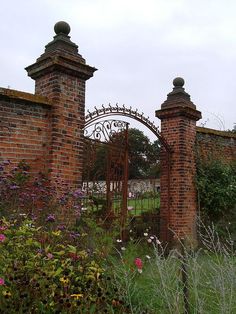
column 154, row 160
column 95, row 156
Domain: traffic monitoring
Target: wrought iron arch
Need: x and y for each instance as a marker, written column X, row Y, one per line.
column 126, row 112
column 96, row 116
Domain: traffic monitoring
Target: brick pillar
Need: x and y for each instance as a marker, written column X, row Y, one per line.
column 60, row 74
column 178, row 196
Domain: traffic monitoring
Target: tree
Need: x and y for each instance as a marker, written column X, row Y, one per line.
column 143, row 156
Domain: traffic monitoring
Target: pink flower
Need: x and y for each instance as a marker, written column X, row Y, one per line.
column 138, row 262
column 2, row 237
column 2, row 282
column 49, row 256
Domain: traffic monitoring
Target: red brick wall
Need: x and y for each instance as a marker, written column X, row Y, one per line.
column 215, row 144
column 180, row 218
column 24, row 129
column 178, row 209
column 67, row 94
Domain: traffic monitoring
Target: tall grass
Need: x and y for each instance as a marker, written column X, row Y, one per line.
column 184, row 281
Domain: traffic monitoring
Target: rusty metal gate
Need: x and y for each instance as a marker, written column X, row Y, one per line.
column 105, row 170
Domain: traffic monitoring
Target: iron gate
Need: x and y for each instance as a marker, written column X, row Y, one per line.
column 105, row 170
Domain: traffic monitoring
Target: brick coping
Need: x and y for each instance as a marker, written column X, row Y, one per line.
column 27, row 97
column 216, row 132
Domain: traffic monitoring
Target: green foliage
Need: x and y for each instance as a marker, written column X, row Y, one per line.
column 46, row 270
column 47, row 266
column 216, row 184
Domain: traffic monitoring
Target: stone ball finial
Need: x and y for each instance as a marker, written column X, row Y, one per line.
column 178, row 82
column 62, row 27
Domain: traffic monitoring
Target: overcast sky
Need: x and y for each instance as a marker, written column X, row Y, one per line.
column 139, row 47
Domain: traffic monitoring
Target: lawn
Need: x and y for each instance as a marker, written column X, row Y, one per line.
column 210, row 286
column 136, row 206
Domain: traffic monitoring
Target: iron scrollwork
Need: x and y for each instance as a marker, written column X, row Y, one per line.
column 97, row 114
column 106, row 130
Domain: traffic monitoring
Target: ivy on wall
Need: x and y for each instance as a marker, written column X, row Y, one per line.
column 216, row 186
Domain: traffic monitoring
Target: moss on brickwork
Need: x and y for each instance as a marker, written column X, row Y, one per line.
column 15, row 94
column 216, row 132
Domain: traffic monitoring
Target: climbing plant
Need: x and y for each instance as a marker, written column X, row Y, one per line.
column 216, row 185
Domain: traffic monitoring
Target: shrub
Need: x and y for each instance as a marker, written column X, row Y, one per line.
column 49, row 270
column 216, row 185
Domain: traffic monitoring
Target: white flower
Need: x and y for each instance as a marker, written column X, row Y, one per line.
column 158, row 241
column 151, row 237
column 131, row 230
column 145, row 234
column 148, row 257
column 140, row 271
column 149, row 240
column 123, row 248
column 119, row 240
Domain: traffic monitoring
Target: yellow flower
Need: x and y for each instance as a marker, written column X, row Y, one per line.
column 64, row 280
column 83, row 254
column 91, row 276
column 56, row 233
column 77, row 295
column 7, row 294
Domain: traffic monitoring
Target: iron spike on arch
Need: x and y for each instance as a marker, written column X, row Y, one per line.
column 126, row 112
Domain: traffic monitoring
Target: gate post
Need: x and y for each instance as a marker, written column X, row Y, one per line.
column 60, row 74
column 178, row 193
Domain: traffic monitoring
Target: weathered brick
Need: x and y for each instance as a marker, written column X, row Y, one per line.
column 178, row 195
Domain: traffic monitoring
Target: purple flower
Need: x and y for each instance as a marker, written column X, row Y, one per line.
column 50, row 218
column 61, row 227
column 62, row 200
column 74, row 235
column 14, row 187
column 78, row 193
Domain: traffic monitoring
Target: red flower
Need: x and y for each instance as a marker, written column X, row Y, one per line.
column 73, row 256
column 138, row 262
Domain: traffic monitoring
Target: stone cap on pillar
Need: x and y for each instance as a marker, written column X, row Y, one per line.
column 178, row 102
column 61, row 54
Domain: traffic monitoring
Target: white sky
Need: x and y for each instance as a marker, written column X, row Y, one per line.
column 139, row 47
